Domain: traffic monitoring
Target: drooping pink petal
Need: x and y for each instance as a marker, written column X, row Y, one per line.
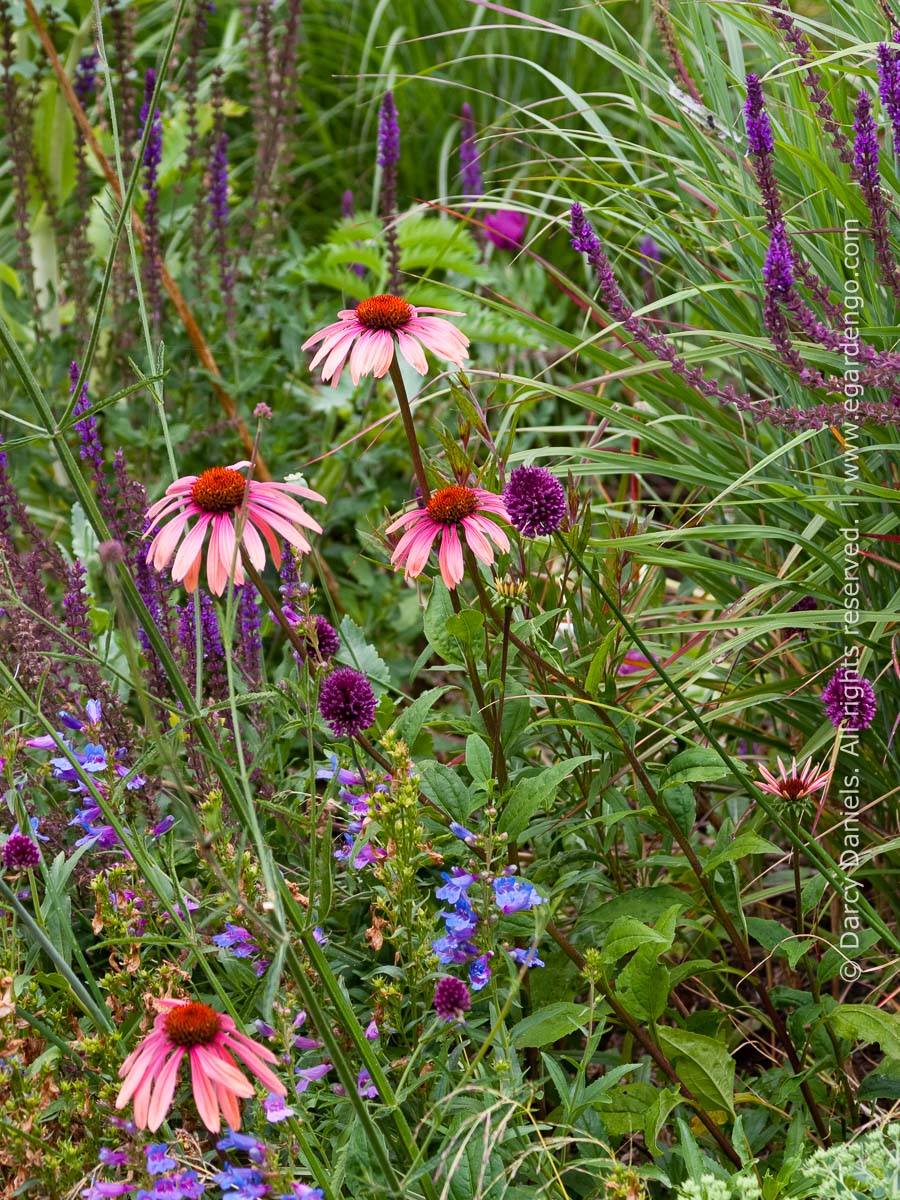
column 274, row 544
column 297, row 488
column 477, row 542
column 163, row 545
column 287, row 531
column 335, row 327
column 227, row 1101
column 412, row 352
column 219, row 1067
column 204, row 1096
column 255, row 1047
column 450, row 557
column 488, row 529
column 286, row 506
column 416, row 549
column 191, row 548
column 414, row 514
column 252, row 543
column 266, row 1077
column 164, row 1090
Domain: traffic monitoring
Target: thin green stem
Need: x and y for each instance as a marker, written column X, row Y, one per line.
column 410, row 429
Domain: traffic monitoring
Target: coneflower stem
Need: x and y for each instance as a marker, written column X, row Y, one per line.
column 410, row 429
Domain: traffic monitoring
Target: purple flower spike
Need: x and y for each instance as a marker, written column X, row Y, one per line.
column 347, row 702
column 759, row 130
column 388, row 132
column 865, row 154
column 469, row 157
column 889, row 87
column 451, row 999
column 777, row 271
column 849, row 700
column 151, row 164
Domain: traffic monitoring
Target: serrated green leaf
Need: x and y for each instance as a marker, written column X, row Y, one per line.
column 549, row 1025
column 534, row 792
column 443, row 785
column 704, row 1065
column 743, row 846
column 626, row 934
column 409, row 724
column 478, row 759
column 865, row 1023
column 698, row 764
column 357, row 652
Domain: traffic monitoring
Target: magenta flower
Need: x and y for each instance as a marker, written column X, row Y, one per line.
column 379, row 327
column 20, row 853
column 849, row 700
column 451, row 999
column 209, row 1039
column 347, row 702
column 505, row 228
column 217, row 498
column 449, row 509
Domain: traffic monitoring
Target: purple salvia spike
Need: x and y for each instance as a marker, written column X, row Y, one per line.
column 151, row 164
column 865, row 146
column 799, row 42
column 249, row 639
column 889, row 87
column 388, row 158
column 218, row 223
column 469, row 157
column 760, row 148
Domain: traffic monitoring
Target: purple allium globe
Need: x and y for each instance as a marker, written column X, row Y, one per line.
column 535, row 501
column 20, row 853
column 451, row 999
column 325, row 644
column 807, row 604
column 347, row 702
column 849, row 700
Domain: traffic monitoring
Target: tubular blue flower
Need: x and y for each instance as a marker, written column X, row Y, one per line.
column 276, row 1109
column 238, row 940
column 158, row 1158
column 535, row 501
column 365, row 1087
column 460, row 831
column 347, row 702
column 451, row 999
column 241, row 1183
column 450, row 949
column 308, row 1075
column 456, row 887
column 372, row 1033
column 245, row 1143
column 513, row 895
column 480, row 972
column 527, row 958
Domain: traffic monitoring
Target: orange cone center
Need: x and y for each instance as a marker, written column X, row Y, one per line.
column 192, row 1024
column 220, row 489
column 451, row 504
column 383, row 312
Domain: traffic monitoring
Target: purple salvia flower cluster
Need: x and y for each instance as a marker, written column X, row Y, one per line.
column 815, row 417
column 889, row 87
column 249, row 639
column 85, row 81
column 91, row 448
column 388, row 158
column 865, row 148
column 218, row 221
column 799, row 42
column 151, row 164
column 760, row 148
column 469, row 157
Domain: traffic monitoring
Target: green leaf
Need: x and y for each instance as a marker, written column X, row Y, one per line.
column 409, row 724
column 643, row 986
column 533, row 792
column 446, row 789
column 657, row 1115
column 682, row 804
column 437, row 612
column 478, row 759
column 865, row 1023
column 549, row 1025
column 468, row 626
column 698, row 764
column 626, row 934
column 357, row 652
column 704, row 1065
column 743, row 846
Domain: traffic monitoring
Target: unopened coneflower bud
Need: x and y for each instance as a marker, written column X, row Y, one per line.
column 509, row 590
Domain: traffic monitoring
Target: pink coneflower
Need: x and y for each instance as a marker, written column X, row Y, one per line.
column 449, row 508
column 794, row 784
column 216, row 497
column 210, row 1039
column 379, row 326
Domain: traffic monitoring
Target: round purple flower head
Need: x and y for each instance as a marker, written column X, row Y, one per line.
column 451, row 999
column 347, row 702
column 20, row 852
column 535, row 501
column 849, row 700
